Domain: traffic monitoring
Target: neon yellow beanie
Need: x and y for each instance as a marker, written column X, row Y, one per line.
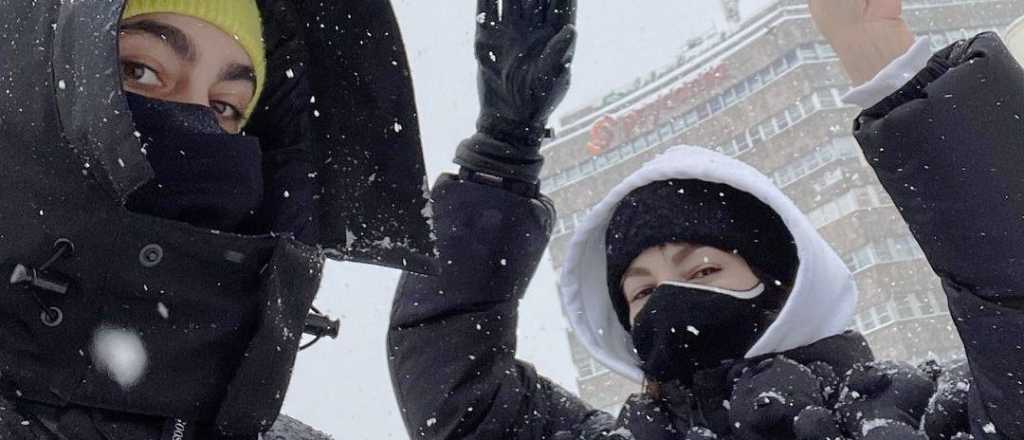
column 238, row 18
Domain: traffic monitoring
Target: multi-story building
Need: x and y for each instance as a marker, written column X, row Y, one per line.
column 767, row 91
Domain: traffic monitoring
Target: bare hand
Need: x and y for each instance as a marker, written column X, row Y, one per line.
column 867, row 34
column 845, row 17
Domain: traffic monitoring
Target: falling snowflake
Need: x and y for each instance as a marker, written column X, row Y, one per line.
column 120, row 354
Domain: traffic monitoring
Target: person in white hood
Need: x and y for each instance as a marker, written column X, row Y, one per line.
column 697, row 220
column 695, row 275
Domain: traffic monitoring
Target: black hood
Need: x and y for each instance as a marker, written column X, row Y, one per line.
column 61, row 100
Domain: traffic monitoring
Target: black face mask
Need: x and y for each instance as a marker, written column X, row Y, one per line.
column 203, row 175
column 686, row 328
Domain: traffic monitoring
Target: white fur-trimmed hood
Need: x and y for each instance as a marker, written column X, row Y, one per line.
column 821, row 304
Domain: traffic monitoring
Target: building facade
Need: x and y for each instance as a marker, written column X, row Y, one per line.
column 767, row 92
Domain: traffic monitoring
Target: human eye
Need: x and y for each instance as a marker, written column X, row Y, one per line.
column 226, row 111
column 643, row 293
column 140, row 74
column 704, row 272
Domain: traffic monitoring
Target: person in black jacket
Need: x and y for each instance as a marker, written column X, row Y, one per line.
column 695, row 275
column 175, row 174
column 942, row 132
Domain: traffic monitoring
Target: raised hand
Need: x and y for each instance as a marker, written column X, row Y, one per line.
column 867, row 34
column 523, row 49
column 838, row 17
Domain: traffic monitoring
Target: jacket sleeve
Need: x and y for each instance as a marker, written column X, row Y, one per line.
column 452, row 340
column 948, row 147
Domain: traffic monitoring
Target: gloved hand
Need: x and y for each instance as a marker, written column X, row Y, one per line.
column 946, row 415
column 769, row 396
column 817, row 423
column 830, row 382
column 884, row 393
column 647, row 417
column 698, row 433
column 892, row 431
column 523, row 51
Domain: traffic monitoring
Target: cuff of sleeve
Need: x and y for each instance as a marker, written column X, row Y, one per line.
column 892, row 77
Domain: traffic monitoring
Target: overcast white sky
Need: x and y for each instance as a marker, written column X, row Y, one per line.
column 343, row 386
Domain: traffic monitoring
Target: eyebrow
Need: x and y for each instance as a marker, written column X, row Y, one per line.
column 173, row 37
column 683, row 254
column 635, row 271
column 238, row 72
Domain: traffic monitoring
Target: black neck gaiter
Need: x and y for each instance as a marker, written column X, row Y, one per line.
column 203, row 175
column 687, row 328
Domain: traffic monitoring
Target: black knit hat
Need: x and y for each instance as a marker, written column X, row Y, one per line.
column 695, row 211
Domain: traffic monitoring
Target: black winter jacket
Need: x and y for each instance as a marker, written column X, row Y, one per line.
column 218, row 316
column 452, row 356
column 948, row 147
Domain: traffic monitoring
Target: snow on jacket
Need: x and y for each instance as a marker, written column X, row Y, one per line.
column 452, row 352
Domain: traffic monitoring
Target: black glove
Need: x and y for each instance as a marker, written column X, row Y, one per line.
column 769, row 396
column 947, row 414
column 523, row 51
column 647, row 417
column 698, row 433
column 817, row 423
column 830, row 382
column 883, row 393
column 893, row 431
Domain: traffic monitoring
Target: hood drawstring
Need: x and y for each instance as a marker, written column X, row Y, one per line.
column 319, row 325
column 40, row 279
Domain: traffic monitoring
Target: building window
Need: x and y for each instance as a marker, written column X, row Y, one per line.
column 904, row 308
column 613, row 155
column 756, row 81
column 678, row 124
column 779, row 66
column 716, row 104
column 703, row 112
column 768, row 129
column 826, row 99
column 824, row 51
column 729, row 96
column 691, row 118
column 792, row 59
column 781, row 122
column 653, row 138
column 867, row 321
column 587, row 166
column 884, row 316
column 572, row 173
column 665, row 131
column 742, row 88
column 925, row 304
column 807, row 52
